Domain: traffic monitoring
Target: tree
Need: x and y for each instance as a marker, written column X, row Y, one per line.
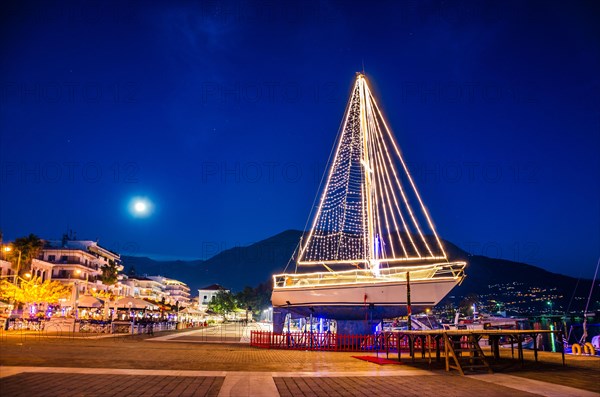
column 223, row 303
column 27, row 248
column 258, row 298
column 110, row 273
column 34, row 291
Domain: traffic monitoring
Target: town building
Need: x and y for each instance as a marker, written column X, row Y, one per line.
column 5, row 269
column 76, row 262
column 146, row 288
column 207, row 294
column 174, row 291
column 79, row 263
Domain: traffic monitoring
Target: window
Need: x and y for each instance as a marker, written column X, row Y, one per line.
column 51, row 258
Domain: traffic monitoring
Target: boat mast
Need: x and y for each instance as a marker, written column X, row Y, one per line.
column 369, row 188
column 365, row 204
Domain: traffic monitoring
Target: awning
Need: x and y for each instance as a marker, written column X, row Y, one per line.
column 129, row 302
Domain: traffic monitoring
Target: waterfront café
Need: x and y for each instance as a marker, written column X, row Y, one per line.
column 5, row 312
column 92, row 308
column 138, row 315
column 191, row 317
column 128, row 308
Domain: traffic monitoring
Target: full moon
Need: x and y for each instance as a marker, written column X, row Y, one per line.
column 140, row 207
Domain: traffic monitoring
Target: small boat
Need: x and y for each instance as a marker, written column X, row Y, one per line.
column 526, row 343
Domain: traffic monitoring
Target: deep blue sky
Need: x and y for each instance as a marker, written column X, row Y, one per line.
column 223, row 115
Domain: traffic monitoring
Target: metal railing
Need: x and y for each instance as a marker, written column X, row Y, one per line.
column 386, row 274
column 384, row 341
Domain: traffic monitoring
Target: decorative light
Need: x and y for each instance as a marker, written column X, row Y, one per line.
column 365, row 214
column 364, row 220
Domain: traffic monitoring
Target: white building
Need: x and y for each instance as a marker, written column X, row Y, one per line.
column 6, row 269
column 78, row 263
column 207, row 294
column 174, row 290
column 146, row 288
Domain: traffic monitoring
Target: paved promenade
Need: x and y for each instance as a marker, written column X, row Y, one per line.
column 186, row 364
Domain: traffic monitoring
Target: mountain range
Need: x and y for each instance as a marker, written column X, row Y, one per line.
column 512, row 284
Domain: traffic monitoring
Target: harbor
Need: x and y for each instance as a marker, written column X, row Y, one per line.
column 299, row 199
column 183, row 363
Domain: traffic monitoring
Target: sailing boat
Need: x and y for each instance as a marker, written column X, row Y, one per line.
column 584, row 346
column 368, row 240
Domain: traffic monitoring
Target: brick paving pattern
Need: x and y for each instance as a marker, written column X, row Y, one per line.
column 416, row 386
column 59, row 385
column 581, row 378
column 295, row 373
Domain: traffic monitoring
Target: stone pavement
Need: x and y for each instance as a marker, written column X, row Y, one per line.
column 57, row 381
column 47, row 365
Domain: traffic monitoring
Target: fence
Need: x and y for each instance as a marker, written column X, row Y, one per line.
column 385, row 341
column 87, row 326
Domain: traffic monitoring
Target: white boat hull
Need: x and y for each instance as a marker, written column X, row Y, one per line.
column 359, row 301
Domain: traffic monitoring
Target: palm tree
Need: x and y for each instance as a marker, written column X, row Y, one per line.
column 110, row 273
column 23, row 251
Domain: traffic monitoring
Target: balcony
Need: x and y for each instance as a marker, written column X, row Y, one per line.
column 73, row 275
column 75, row 262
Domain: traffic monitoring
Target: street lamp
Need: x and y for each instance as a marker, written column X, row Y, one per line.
column 550, row 304
column 8, row 249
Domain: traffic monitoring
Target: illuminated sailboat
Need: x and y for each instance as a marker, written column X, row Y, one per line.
column 370, row 230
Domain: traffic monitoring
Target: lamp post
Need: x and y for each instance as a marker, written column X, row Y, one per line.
column 130, row 304
column 550, row 304
column 8, row 249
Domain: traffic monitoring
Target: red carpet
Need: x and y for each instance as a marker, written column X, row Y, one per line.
column 377, row 360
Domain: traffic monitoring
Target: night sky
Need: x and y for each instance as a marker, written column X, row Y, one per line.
column 222, row 116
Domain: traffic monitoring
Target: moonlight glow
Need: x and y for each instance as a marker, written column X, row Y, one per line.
column 140, row 207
